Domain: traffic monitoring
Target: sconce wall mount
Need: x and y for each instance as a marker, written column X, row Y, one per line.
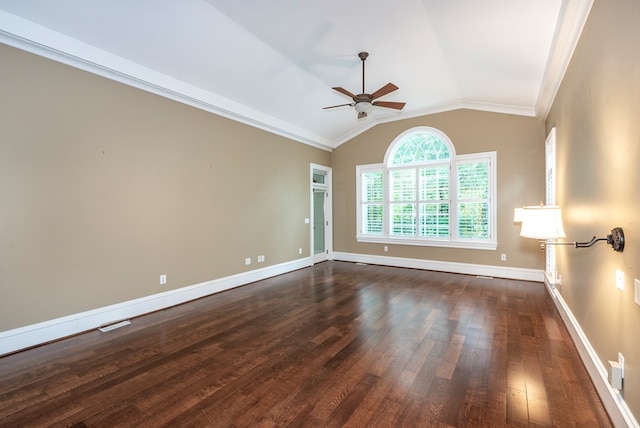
column 615, row 239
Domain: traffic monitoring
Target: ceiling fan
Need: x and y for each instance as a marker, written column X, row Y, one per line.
column 364, row 102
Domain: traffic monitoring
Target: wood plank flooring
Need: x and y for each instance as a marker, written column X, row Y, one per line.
column 335, row 345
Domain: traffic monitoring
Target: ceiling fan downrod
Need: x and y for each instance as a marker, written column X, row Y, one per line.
column 363, row 56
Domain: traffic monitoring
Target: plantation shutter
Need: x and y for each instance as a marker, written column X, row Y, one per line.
column 403, row 201
column 372, row 202
column 473, row 199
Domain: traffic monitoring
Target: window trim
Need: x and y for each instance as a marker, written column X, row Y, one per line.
column 452, row 241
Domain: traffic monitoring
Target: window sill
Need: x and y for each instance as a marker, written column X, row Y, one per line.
column 466, row 244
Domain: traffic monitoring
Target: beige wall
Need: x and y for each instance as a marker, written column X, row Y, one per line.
column 519, row 143
column 597, row 118
column 104, row 187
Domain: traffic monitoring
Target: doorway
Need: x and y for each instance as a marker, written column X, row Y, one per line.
column 321, row 214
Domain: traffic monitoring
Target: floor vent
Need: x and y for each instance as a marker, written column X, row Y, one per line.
column 110, row 327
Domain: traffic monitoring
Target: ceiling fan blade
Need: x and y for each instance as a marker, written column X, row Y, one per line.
column 339, row 105
column 389, row 104
column 344, row 91
column 362, row 114
column 386, row 89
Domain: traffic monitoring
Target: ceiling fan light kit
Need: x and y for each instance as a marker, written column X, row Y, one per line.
column 363, row 103
column 363, row 107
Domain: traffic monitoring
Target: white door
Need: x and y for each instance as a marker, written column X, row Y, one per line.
column 321, row 227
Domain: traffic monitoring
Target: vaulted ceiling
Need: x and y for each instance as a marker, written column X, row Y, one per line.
column 272, row 64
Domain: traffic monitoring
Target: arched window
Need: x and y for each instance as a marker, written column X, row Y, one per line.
column 424, row 194
column 419, row 145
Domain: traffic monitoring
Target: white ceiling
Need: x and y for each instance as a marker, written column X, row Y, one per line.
column 272, row 64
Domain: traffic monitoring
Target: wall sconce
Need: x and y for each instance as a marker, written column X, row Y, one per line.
column 544, row 222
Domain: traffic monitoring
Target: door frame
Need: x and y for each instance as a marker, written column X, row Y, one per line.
column 328, row 212
column 550, row 272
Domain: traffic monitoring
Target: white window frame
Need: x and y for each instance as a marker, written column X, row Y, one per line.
column 453, row 241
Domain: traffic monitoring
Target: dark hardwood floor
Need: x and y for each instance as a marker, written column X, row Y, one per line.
column 339, row 344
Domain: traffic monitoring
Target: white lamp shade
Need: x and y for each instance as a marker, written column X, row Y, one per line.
column 542, row 222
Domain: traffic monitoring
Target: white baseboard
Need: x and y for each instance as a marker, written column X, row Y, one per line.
column 612, row 400
column 464, row 268
column 36, row 334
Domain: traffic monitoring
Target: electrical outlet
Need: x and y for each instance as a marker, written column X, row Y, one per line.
column 386, row 248
column 247, row 261
column 163, row 279
column 260, row 259
column 636, row 286
column 503, row 257
column 620, row 279
column 299, row 250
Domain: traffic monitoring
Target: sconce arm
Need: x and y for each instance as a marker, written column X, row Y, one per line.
column 615, row 239
column 590, row 243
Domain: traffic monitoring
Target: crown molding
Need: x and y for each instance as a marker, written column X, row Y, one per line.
column 36, row 39
column 31, row 37
column 572, row 20
column 443, row 108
